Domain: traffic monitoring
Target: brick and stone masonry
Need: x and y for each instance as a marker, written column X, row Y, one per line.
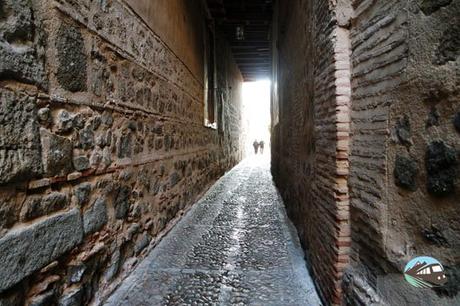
column 366, row 147
column 102, row 142
column 405, row 147
column 103, row 147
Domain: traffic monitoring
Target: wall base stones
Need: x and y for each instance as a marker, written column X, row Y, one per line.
column 28, row 249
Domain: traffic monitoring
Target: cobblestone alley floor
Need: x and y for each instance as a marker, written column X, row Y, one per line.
column 234, row 247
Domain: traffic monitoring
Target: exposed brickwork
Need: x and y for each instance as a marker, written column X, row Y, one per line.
column 379, row 55
column 311, row 141
column 375, row 175
column 99, row 156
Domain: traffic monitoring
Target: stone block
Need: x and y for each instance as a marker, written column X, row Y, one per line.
column 74, row 176
column 124, row 147
column 44, row 116
column 75, row 273
column 35, row 207
column 18, row 47
column 106, row 157
column 114, row 265
column 122, row 202
column 107, row 118
column 405, row 172
column 35, row 184
column 81, row 163
column 403, row 131
column 65, row 121
column 104, row 139
column 78, row 121
column 71, row 72
column 174, row 179
column 441, row 162
column 31, row 208
column 95, row 217
column 54, row 201
column 8, row 209
column 28, row 249
column 132, row 231
column 95, row 122
column 73, row 297
column 19, row 138
column 56, row 154
column 141, row 243
column 82, row 193
column 86, row 138
column 95, row 158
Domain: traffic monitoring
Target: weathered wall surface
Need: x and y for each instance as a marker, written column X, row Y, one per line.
column 310, row 142
column 170, row 19
column 405, row 147
column 102, row 143
column 371, row 182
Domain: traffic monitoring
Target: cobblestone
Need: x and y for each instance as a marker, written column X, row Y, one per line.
column 236, row 246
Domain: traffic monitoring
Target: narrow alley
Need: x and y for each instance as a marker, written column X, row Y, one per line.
column 131, row 134
column 236, row 246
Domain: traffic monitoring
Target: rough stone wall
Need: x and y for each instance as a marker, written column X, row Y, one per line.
column 170, row 20
column 405, row 148
column 310, row 142
column 102, row 145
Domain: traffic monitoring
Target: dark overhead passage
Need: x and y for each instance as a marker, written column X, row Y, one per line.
column 247, row 25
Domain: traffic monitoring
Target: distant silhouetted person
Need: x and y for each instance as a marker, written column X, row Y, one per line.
column 261, row 146
column 255, row 144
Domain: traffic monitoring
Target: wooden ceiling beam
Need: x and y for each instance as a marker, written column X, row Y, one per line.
column 252, row 55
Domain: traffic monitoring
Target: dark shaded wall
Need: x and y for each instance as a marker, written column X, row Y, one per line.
column 102, row 139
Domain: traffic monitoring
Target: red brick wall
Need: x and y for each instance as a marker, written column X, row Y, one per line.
column 311, row 140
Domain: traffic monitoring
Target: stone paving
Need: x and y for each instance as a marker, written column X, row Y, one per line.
column 234, row 247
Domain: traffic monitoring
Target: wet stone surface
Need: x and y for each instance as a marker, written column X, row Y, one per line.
column 235, row 247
